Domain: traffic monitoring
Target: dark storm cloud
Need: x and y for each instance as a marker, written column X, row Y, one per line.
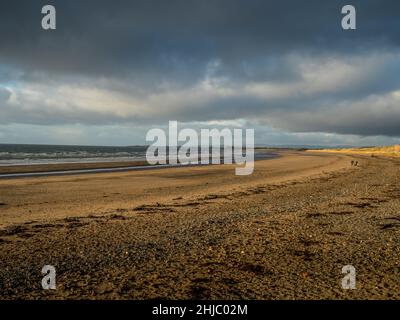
column 164, row 38
column 139, row 49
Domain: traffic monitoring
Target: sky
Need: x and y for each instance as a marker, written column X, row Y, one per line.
column 112, row 70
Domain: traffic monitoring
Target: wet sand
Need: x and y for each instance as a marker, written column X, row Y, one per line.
column 33, row 168
column 284, row 232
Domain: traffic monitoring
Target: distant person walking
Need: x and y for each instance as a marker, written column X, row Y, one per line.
column 354, row 163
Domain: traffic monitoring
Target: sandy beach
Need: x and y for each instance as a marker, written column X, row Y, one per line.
column 284, row 232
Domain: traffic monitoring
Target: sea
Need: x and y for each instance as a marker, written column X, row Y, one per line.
column 24, row 154
column 27, row 154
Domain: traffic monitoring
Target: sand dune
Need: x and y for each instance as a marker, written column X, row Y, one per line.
column 387, row 151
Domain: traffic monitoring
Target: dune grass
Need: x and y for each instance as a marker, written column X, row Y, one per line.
column 388, row 151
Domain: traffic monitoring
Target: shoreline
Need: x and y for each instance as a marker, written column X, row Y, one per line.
column 55, row 196
column 110, row 169
column 77, row 168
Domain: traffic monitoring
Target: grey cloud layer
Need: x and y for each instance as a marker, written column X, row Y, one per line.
column 285, row 63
